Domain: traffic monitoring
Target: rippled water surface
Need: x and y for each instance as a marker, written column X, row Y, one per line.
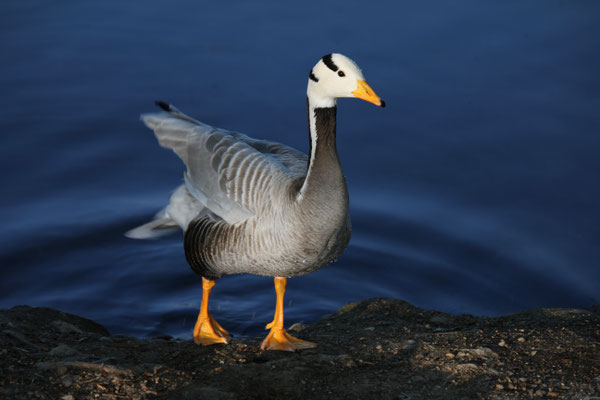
column 475, row 191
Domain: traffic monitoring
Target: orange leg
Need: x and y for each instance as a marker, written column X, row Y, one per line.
column 208, row 331
column 278, row 338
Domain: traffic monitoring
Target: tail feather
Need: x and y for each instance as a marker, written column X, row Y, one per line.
column 153, row 229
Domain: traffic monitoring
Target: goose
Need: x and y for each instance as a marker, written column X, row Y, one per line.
column 256, row 206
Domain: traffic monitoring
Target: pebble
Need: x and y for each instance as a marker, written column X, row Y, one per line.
column 67, row 380
column 62, row 350
column 326, row 358
column 521, row 339
column 297, row 327
column 67, row 397
column 409, row 344
column 499, row 387
column 439, row 319
column 502, row 343
column 346, row 360
column 467, row 366
column 483, row 352
column 449, row 355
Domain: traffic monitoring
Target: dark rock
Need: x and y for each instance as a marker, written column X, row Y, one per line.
column 49, row 318
column 66, row 327
column 62, row 350
column 379, row 348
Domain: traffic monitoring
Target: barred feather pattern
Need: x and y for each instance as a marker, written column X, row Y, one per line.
column 240, row 207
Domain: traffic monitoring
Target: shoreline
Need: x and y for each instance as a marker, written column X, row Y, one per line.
column 379, row 347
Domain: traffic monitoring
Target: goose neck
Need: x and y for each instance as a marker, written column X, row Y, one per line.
column 324, row 171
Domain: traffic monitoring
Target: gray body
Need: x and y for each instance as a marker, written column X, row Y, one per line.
column 253, row 206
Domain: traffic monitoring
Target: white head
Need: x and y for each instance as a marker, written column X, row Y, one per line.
column 336, row 76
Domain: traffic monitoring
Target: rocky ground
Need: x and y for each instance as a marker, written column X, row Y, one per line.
column 380, row 348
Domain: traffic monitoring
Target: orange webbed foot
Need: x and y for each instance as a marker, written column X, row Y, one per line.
column 208, row 331
column 279, row 339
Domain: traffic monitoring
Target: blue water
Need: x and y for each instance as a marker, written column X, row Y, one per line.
column 475, row 191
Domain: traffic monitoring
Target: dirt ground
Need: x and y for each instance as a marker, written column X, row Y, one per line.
column 379, row 348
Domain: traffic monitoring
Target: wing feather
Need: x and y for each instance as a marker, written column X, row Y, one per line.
column 227, row 172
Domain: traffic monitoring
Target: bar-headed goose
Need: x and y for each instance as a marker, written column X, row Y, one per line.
column 259, row 207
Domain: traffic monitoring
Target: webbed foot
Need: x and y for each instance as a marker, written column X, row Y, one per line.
column 279, row 339
column 208, row 331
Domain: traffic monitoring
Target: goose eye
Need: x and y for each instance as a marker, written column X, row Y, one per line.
column 341, row 73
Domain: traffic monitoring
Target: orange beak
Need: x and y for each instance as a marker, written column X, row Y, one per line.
column 364, row 91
